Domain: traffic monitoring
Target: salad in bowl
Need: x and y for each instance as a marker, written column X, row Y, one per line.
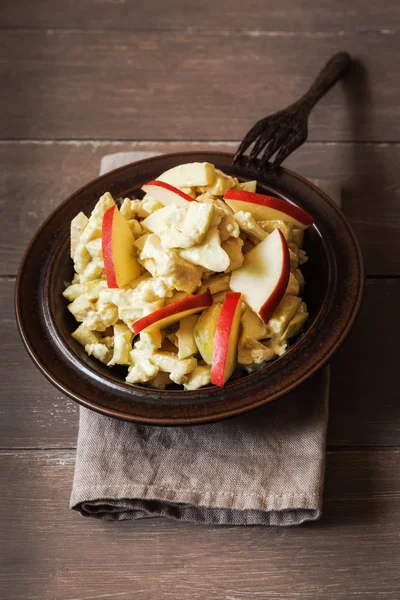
column 194, row 284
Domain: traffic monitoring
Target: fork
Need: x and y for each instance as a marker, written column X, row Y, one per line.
column 286, row 130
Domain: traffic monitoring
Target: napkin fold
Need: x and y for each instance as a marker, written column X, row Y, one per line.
column 262, row 468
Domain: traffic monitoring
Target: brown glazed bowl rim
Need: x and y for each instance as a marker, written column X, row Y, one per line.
column 114, row 398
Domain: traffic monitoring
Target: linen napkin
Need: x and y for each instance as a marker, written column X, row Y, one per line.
column 262, row 468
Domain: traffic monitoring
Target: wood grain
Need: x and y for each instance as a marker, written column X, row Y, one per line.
column 72, row 84
column 364, row 407
column 255, row 15
column 36, row 177
column 53, row 553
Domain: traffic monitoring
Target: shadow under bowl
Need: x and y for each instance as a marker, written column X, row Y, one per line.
column 334, row 286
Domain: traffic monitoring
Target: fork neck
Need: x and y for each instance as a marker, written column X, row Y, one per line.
column 334, row 70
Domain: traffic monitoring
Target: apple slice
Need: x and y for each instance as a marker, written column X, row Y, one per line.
column 226, row 339
column 117, row 241
column 167, row 194
column 174, row 312
column 264, row 276
column 267, row 208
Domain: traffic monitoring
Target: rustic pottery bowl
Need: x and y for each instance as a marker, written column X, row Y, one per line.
column 334, row 286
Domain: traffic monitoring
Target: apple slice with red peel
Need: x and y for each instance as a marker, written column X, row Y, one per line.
column 117, row 241
column 264, row 276
column 267, row 208
column 174, row 312
column 226, row 339
column 167, row 194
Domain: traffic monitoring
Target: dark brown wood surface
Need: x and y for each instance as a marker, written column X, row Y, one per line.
column 80, row 80
column 189, row 85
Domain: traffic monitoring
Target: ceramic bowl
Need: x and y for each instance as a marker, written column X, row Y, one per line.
column 334, row 285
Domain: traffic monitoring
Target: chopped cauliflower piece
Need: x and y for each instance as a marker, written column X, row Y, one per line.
column 209, row 254
column 251, row 351
column 284, row 313
column 233, row 248
column 294, row 261
column 199, row 377
column 170, row 363
column 91, row 231
column 142, row 372
column 186, row 343
column 216, row 283
column 149, row 341
column 222, row 182
column 99, row 351
column 150, row 205
column 193, row 229
column 163, row 220
column 94, row 248
column 93, row 288
column 74, row 290
column 249, row 225
column 270, row 226
column 78, row 224
column 303, row 258
column 85, row 336
column 300, row 278
column 81, row 307
column 248, row 186
column 297, row 323
column 122, row 345
column 160, row 381
column 93, row 270
column 293, row 287
column 132, row 209
column 136, row 228
column 108, row 313
column 253, row 326
column 297, row 237
column 169, row 266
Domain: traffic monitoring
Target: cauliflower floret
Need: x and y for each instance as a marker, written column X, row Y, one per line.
column 122, row 345
column 222, row 182
column 93, row 270
column 141, row 373
column 285, row 228
column 108, row 313
column 216, row 283
column 233, row 247
column 131, row 209
column 149, row 341
column 160, row 381
column 99, row 351
column 209, row 254
column 248, row 186
column 91, row 232
column 250, row 350
column 223, row 216
column 170, row 363
column 169, row 266
column 293, row 287
column 250, row 226
column 164, row 219
column 94, row 248
column 143, row 297
column 200, row 376
column 85, row 336
column 283, row 314
column 74, row 290
column 303, row 258
column 135, row 227
column 150, row 205
column 78, row 224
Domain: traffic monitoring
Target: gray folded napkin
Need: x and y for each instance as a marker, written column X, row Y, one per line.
column 262, row 468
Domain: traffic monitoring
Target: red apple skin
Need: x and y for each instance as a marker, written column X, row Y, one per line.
column 166, row 186
column 222, row 338
column 276, row 296
column 197, row 301
column 107, row 248
column 271, row 202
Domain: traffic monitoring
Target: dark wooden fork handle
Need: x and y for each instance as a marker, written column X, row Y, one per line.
column 329, row 75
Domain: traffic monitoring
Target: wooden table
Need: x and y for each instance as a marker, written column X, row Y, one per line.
column 83, row 79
